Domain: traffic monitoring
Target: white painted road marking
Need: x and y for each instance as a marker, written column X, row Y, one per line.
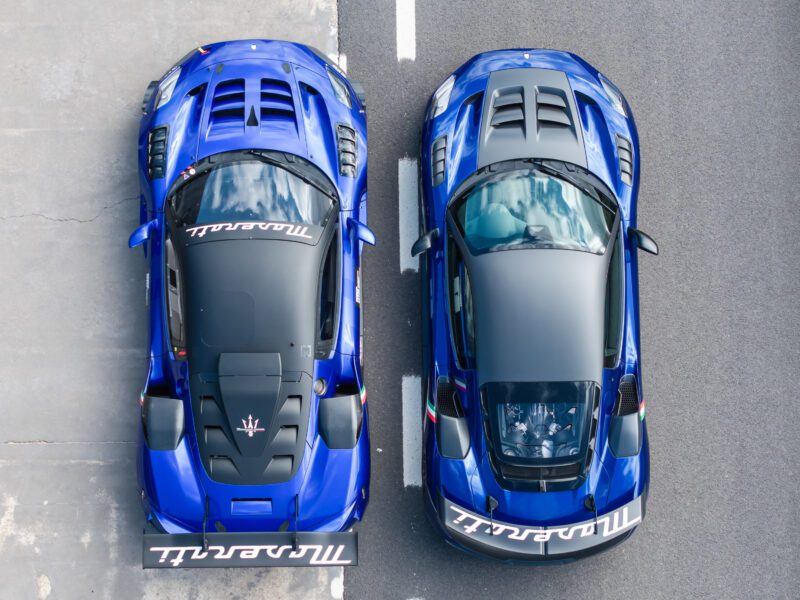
column 406, row 30
column 412, row 430
column 408, row 195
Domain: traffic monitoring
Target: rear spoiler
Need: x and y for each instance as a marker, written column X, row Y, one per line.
column 249, row 549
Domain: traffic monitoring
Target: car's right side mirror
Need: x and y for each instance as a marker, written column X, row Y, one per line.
column 424, row 243
column 643, row 241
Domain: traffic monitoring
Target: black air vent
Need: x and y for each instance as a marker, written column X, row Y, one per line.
column 156, row 152
column 625, row 153
column 438, row 158
column 276, row 102
column 227, row 108
column 551, row 108
column 508, row 108
column 348, row 156
column 627, row 396
column 447, row 400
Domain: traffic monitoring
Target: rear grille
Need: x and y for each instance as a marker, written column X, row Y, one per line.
column 348, row 153
column 227, row 108
column 509, row 108
column 276, row 102
column 625, row 154
column 447, row 401
column 627, row 396
column 438, row 159
column 156, row 152
column 275, row 464
column 551, row 108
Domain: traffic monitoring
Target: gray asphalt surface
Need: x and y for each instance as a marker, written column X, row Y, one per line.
column 714, row 88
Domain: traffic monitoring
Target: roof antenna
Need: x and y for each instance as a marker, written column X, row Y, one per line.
column 205, row 523
column 491, row 504
column 590, row 504
column 296, row 515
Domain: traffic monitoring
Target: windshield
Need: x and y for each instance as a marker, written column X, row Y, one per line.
column 541, row 423
column 531, row 209
column 249, row 190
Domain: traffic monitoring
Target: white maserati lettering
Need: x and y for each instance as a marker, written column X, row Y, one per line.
column 289, row 229
column 607, row 526
column 317, row 554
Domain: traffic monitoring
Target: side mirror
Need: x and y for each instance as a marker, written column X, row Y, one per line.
column 141, row 234
column 362, row 232
column 424, row 243
column 643, row 241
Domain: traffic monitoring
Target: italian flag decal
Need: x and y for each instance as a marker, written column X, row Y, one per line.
column 430, row 410
column 641, row 411
column 363, row 393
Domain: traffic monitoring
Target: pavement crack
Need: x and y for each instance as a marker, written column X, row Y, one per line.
column 68, row 219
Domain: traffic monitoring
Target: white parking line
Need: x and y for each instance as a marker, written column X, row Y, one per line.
column 406, row 30
column 408, row 192
column 412, row 430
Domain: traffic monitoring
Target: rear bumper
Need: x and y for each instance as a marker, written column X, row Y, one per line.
column 476, row 534
column 249, row 549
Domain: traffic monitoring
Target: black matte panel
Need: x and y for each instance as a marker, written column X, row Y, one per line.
column 340, row 420
column 625, row 435
column 163, row 422
column 452, row 436
column 529, row 113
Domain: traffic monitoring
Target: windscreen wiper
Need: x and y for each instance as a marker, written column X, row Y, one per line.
column 266, row 157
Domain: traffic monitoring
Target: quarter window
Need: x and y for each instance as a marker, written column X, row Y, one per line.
column 461, row 312
column 177, row 331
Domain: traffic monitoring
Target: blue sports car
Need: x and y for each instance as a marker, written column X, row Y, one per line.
column 254, row 448
column 535, row 439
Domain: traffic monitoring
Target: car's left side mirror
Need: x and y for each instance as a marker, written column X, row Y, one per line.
column 362, row 232
column 643, row 241
column 424, row 243
column 141, row 234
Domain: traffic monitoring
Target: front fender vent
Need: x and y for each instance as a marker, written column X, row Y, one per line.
column 156, row 152
column 348, row 150
column 438, row 159
column 551, row 108
column 627, row 396
column 625, row 154
column 508, row 108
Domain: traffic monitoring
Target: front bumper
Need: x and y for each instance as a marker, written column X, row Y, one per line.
column 250, row 549
column 506, row 541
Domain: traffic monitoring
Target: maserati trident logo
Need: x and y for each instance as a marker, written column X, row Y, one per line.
column 250, row 427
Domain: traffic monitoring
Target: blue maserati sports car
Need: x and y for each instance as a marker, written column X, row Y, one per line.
column 254, row 448
column 535, row 438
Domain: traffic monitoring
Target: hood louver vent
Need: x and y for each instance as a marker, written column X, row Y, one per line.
column 625, row 153
column 346, row 144
column 156, row 152
column 227, row 108
column 438, row 159
column 276, row 102
column 508, row 108
column 551, row 109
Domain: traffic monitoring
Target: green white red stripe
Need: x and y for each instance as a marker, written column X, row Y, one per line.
column 363, row 393
column 430, row 410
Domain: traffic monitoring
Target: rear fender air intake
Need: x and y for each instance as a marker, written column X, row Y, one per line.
column 452, row 431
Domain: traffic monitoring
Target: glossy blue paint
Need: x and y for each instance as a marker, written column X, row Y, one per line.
column 332, row 485
column 613, row 481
